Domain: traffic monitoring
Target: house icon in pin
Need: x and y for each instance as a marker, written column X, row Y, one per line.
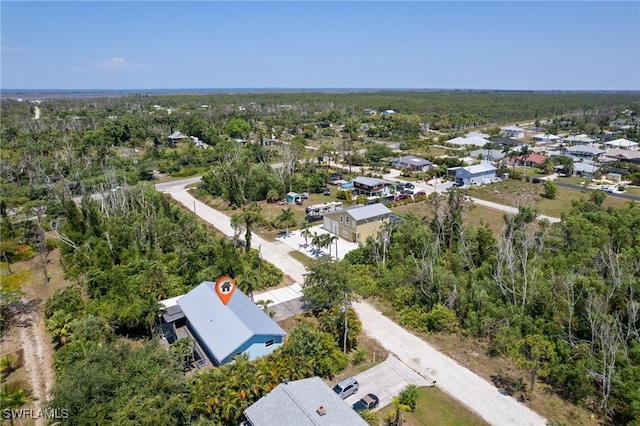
column 225, row 287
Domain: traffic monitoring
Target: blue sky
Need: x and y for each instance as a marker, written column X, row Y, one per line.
column 538, row 45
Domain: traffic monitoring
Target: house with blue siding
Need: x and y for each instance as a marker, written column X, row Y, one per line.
column 222, row 331
column 479, row 174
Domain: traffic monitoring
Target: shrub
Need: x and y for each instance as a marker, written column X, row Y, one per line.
column 409, row 396
column 550, row 190
column 441, row 318
column 359, row 356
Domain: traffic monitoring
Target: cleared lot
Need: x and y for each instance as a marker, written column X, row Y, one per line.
column 386, row 380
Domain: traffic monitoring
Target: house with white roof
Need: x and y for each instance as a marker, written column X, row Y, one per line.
column 513, row 132
column 622, row 144
column 306, row 402
column 387, row 112
column 469, row 141
column 478, row 135
column 479, row 174
column 545, row 138
column 220, row 331
column 578, row 139
column 356, row 224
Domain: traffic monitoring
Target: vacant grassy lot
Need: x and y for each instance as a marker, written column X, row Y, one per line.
column 516, row 193
column 435, row 407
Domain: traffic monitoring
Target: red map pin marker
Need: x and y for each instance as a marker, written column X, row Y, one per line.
column 225, row 287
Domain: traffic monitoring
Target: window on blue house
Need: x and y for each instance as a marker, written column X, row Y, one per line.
column 268, row 343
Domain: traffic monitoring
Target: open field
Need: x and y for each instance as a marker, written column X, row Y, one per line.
column 514, row 193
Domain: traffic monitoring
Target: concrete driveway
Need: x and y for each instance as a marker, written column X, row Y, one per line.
column 386, row 380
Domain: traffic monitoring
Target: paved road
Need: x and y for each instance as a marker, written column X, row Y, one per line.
column 613, row 194
column 386, row 380
column 459, row 382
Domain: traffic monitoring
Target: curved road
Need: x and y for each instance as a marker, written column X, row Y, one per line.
column 461, row 383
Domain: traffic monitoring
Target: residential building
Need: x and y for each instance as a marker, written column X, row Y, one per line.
column 468, row 141
column 622, row 144
column 584, row 169
column 370, row 111
column 293, row 197
column 507, row 142
column 604, row 137
column 372, row 187
column 220, row 330
column 488, row 155
column 478, row 135
column 535, row 160
column 513, row 132
column 616, row 154
column 306, row 402
column 584, row 152
column 479, row 174
column 176, row 137
column 357, row 223
column 579, row 139
column 411, row 162
column 387, row 112
column 545, row 138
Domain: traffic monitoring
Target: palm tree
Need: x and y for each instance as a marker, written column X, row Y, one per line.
column 525, row 152
column 248, row 280
column 316, row 240
column 153, row 309
column 287, row 218
column 183, row 350
column 490, row 147
column 12, row 397
column 265, row 306
column 305, row 232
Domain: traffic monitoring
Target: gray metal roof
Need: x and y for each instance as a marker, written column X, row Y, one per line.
column 295, row 404
column 413, row 160
column 224, row 328
column 368, row 211
column 371, row 181
column 582, row 149
column 173, row 313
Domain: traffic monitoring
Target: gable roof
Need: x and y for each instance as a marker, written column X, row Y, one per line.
column 224, row 328
column 368, row 211
column 622, row 143
column 512, row 128
column 295, row 404
column 177, row 135
column 472, row 140
column 579, row 138
column 547, row 136
column 531, row 158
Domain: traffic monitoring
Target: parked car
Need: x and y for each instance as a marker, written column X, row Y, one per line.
column 537, row 180
column 327, row 191
column 402, row 197
column 406, row 192
column 368, row 402
column 409, row 185
column 417, row 194
column 304, row 195
column 347, row 387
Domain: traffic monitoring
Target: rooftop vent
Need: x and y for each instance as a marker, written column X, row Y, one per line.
column 321, row 410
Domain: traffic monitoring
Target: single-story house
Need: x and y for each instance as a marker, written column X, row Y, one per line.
column 175, row 137
column 507, row 142
column 372, row 187
column 411, row 162
column 478, row 135
column 604, row 137
column 545, row 138
column 488, row 155
column 476, row 175
column 293, row 197
column 355, row 224
column 306, row 402
column 513, row 132
column 584, row 169
column 578, row 139
column 631, row 156
column 532, row 160
column 622, row 144
column 468, row 141
column 387, row 112
column 584, row 152
column 220, row 331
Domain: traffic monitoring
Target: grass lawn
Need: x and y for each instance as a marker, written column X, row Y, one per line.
column 435, row 407
column 574, row 180
column 513, row 193
column 300, row 257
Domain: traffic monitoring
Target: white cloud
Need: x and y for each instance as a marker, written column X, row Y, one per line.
column 116, row 64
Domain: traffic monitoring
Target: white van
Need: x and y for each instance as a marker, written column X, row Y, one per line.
column 346, row 388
